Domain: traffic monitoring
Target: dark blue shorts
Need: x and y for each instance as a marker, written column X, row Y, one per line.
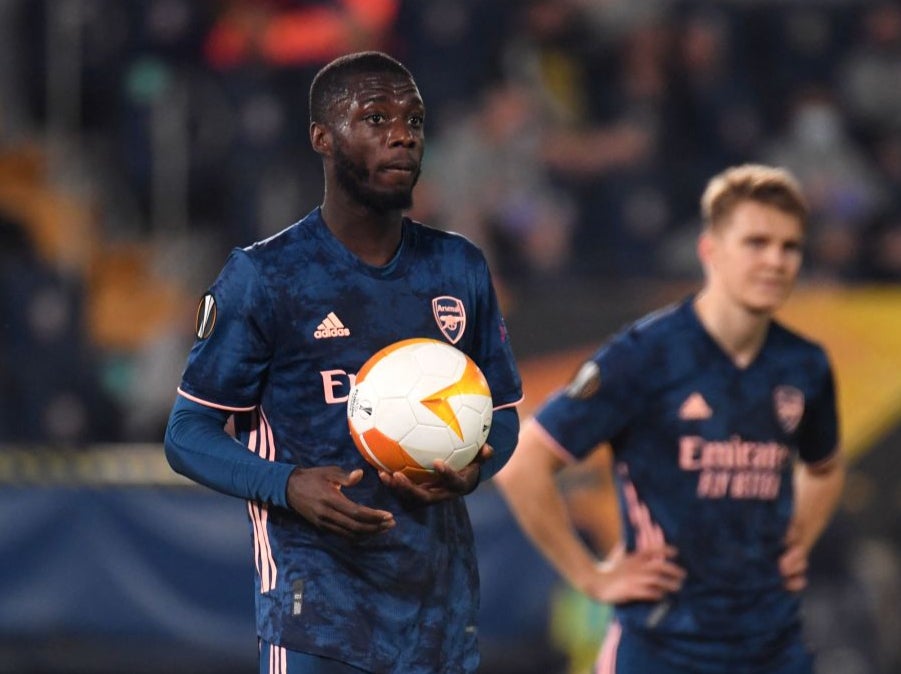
column 279, row 660
column 627, row 651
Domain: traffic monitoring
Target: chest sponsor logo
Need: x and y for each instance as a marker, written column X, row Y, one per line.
column 734, row 468
column 789, row 404
column 450, row 314
column 336, row 385
column 206, row 317
column 331, row 327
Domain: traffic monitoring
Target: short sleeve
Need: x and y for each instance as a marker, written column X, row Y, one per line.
column 818, row 435
column 599, row 401
column 232, row 350
column 492, row 350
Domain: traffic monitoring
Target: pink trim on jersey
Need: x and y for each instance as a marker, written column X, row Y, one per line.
column 262, row 443
column 259, row 536
column 606, row 662
column 825, row 461
column 207, row 403
column 648, row 533
column 270, row 437
column 513, row 404
column 278, row 660
column 534, row 427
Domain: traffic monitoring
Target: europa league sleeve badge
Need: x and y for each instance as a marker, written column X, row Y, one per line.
column 206, row 317
column 586, row 382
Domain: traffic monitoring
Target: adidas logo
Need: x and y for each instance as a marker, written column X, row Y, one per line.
column 695, row 407
column 331, row 327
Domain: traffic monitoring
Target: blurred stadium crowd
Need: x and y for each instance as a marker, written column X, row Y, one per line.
column 140, row 140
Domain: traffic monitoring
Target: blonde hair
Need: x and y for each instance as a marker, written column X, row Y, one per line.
column 767, row 185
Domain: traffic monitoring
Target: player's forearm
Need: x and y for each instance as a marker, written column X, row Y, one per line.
column 817, row 494
column 198, row 447
column 528, row 484
column 502, row 438
column 542, row 515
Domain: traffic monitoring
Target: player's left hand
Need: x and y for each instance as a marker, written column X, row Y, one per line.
column 793, row 562
column 447, row 483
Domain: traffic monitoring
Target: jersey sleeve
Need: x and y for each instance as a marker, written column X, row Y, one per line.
column 818, row 435
column 492, row 350
column 228, row 362
column 198, row 447
column 599, row 401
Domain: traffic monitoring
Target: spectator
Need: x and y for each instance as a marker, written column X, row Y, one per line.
column 284, row 33
column 842, row 183
column 49, row 387
column 712, row 119
column 491, row 185
column 869, row 72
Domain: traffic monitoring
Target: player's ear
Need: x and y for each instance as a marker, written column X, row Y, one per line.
column 320, row 138
column 705, row 247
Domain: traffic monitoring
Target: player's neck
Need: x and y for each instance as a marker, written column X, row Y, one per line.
column 739, row 332
column 371, row 236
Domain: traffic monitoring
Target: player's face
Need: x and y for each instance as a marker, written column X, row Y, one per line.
column 379, row 141
column 754, row 257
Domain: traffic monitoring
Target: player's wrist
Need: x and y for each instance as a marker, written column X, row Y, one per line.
column 586, row 580
column 473, row 478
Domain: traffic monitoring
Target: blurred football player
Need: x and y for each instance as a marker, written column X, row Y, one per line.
column 724, row 434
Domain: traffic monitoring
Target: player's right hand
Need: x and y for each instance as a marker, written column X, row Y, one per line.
column 315, row 494
column 643, row 575
column 447, row 483
column 793, row 562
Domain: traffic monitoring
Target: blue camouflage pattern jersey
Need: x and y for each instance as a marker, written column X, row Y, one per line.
column 281, row 333
column 703, row 460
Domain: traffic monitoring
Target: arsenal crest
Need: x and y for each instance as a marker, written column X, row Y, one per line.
column 789, row 404
column 450, row 314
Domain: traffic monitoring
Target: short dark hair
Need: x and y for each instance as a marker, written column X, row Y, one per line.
column 330, row 82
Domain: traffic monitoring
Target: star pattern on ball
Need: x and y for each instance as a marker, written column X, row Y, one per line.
column 472, row 382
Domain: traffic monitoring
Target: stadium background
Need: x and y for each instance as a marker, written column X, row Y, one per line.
column 141, row 139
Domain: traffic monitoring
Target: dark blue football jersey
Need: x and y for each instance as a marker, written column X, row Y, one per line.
column 703, row 456
column 280, row 335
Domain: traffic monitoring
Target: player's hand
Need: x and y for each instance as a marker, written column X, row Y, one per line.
column 793, row 562
column 643, row 575
column 315, row 494
column 447, row 483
